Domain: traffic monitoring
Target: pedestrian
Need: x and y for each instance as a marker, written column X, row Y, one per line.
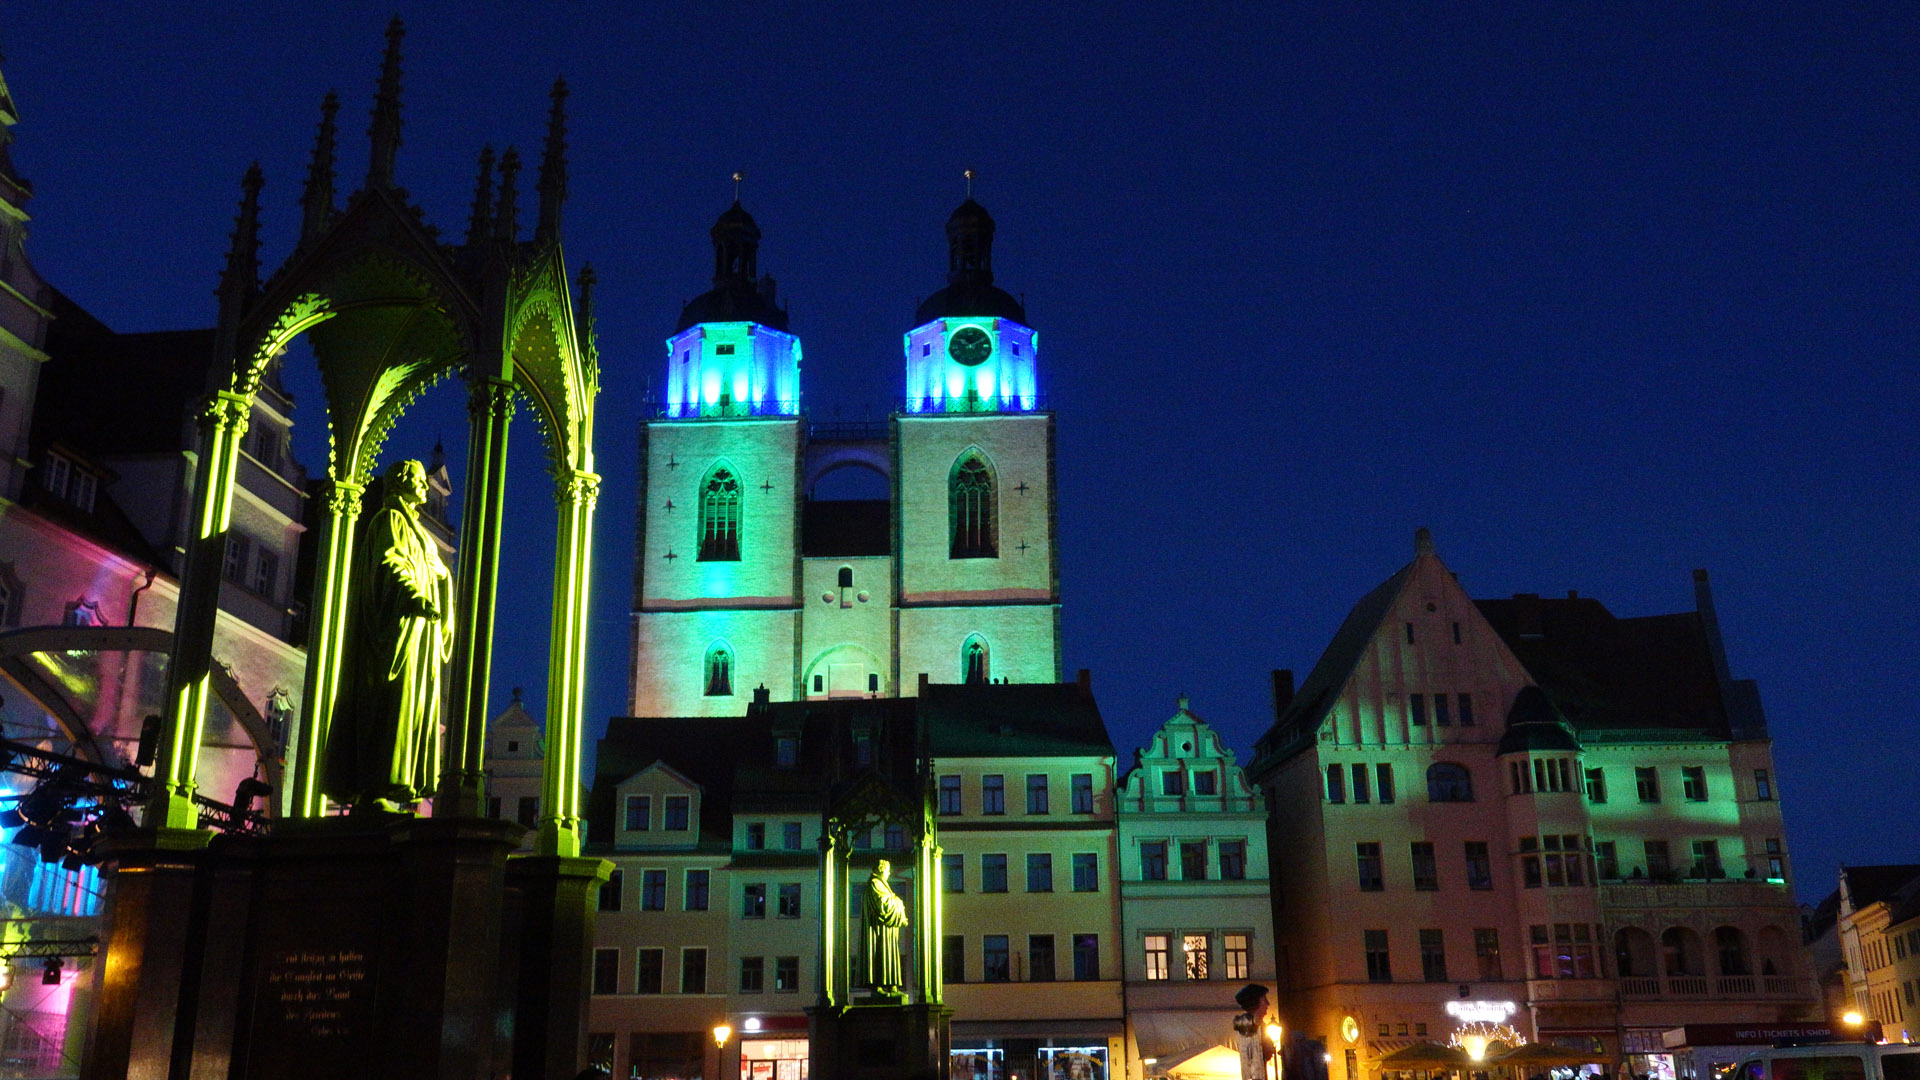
column 1250, row 1032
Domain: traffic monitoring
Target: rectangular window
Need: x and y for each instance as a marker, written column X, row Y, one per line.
column 1659, row 863
column 529, row 810
column 1441, row 715
column 1417, row 709
column 696, row 890
column 862, row 748
column 993, row 794
column 1486, row 952
column 994, row 965
column 1336, row 784
column 1233, row 955
column 1433, row 956
column 1206, row 783
column 950, row 794
column 675, row 819
column 639, row 813
column 1608, row 859
column 1426, row 875
column 1233, row 860
column 1706, row 859
column 993, row 873
column 1086, row 872
column 1466, row 708
column 1762, row 785
column 1693, row 783
column 953, row 958
column 1359, row 784
column 1647, row 782
column 753, row 902
column 1530, row 871
column 1543, row 959
column 1039, row 872
column 953, row 873
column 790, row 836
column 606, row 971
column 1198, row 950
column 753, row 974
column 1036, row 793
column 1193, row 860
column 234, row 565
column 1153, row 860
column 693, row 970
column 647, row 972
column 1383, row 783
column 1596, row 785
column 610, row 892
column 1379, row 964
column 493, row 807
column 757, row 836
column 786, row 974
column 653, row 890
column 896, row 837
column 1040, row 958
column 1371, row 878
column 1777, row 871
column 786, row 752
column 266, row 571
column 1456, row 633
column 1083, row 793
column 1479, row 865
column 1157, row 946
column 1173, row 782
column 789, row 901
column 1086, row 957
column 1409, row 633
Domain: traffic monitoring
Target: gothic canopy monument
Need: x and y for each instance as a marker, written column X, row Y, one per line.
column 401, row 918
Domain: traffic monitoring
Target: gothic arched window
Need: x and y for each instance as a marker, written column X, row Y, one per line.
column 720, row 516
column 973, row 661
column 1447, row 782
column 970, row 509
column 719, row 671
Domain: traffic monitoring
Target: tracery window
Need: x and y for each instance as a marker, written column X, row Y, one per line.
column 720, row 516
column 1448, row 782
column 973, row 661
column 719, row 671
column 970, row 503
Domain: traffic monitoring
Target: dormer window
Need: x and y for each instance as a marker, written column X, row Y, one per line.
column 786, row 752
column 677, row 813
column 64, row 479
column 513, row 745
column 723, row 350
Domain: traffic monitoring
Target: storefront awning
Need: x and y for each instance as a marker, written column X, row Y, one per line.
column 1169, row 1034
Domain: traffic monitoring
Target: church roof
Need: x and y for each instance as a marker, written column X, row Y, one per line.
column 971, row 300
column 970, row 291
column 1013, row 720
column 732, row 301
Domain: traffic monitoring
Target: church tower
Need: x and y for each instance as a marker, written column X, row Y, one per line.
column 716, row 603
column 976, row 585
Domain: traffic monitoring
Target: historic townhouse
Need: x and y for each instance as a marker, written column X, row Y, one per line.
column 1879, row 931
column 1525, row 811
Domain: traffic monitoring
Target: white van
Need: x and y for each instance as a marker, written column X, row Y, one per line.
column 1832, row 1061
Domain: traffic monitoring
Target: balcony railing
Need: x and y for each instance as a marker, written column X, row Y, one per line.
column 1634, row 987
column 1723, row 986
column 1687, row 985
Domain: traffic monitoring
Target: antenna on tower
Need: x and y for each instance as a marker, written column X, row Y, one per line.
column 968, row 173
column 738, row 176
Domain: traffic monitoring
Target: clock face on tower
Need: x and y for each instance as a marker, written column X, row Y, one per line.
column 970, row 345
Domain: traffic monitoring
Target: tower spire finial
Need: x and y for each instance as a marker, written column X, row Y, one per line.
column 738, row 176
column 316, row 203
column 480, row 221
column 506, row 224
column 968, row 173
column 552, row 184
column 385, row 131
column 241, row 278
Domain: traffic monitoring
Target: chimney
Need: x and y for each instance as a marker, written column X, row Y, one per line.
column 1085, row 681
column 1282, row 690
column 924, row 681
column 1527, row 621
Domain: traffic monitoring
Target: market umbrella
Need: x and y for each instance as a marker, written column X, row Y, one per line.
column 1545, row 1056
column 1425, row 1055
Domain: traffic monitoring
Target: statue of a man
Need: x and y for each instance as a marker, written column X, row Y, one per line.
column 383, row 745
column 885, row 916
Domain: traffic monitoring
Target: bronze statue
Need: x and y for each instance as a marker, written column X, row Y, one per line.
column 383, row 746
column 885, row 916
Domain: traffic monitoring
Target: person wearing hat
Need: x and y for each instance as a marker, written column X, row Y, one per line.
column 1249, row 1030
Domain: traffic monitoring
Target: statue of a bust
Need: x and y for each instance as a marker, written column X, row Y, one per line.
column 383, row 745
column 885, row 916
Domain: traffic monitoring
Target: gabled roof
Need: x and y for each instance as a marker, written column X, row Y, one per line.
column 111, row 394
column 1653, row 673
column 1317, row 695
column 1868, row 885
column 1013, row 720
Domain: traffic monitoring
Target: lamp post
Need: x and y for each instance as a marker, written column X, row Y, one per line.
column 721, row 1033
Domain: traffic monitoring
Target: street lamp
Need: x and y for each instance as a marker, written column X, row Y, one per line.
column 1852, row 1018
column 721, row 1034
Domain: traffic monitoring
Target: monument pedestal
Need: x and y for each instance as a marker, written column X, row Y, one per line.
column 557, row 899
column 879, row 1041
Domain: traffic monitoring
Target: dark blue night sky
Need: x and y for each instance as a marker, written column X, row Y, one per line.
column 1600, row 293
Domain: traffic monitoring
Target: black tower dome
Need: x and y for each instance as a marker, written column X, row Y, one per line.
column 970, row 291
column 739, row 294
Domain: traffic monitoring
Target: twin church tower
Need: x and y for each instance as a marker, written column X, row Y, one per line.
column 744, row 580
